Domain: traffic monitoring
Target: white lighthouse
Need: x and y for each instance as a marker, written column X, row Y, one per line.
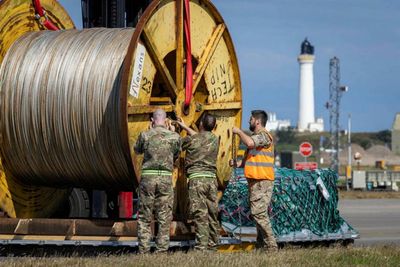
column 306, row 96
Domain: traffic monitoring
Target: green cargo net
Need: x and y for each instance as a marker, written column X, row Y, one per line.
column 304, row 203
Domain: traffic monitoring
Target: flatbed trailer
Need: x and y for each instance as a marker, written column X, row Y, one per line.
column 32, row 236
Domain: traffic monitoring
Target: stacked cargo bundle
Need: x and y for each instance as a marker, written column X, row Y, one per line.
column 303, row 206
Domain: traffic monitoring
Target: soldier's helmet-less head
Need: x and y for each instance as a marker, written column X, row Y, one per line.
column 159, row 117
column 208, row 122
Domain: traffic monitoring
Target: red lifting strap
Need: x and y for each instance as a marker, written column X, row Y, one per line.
column 40, row 13
column 50, row 26
column 189, row 67
column 38, row 8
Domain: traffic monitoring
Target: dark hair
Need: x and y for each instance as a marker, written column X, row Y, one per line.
column 260, row 115
column 208, row 122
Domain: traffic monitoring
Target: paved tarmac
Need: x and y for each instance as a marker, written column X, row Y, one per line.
column 377, row 220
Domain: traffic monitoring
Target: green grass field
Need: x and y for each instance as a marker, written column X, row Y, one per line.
column 369, row 256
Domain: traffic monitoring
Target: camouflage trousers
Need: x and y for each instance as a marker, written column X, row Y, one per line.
column 260, row 193
column 204, row 211
column 156, row 196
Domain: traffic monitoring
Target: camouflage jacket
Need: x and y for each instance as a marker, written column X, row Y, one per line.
column 201, row 152
column 261, row 139
column 160, row 147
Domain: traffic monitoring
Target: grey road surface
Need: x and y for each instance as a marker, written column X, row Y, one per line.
column 377, row 220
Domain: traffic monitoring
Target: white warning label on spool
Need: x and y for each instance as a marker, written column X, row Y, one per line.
column 137, row 70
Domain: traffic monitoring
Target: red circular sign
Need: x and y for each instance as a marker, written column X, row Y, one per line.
column 305, row 149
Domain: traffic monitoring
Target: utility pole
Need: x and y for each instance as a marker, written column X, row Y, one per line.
column 335, row 94
column 348, row 169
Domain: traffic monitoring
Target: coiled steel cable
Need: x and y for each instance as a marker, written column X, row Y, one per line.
column 60, row 121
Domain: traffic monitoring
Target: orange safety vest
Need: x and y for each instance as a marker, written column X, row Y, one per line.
column 260, row 162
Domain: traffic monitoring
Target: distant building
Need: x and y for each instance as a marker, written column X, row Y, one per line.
column 273, row 124
column 396, row 135
column 307, row 120
column 317, row 126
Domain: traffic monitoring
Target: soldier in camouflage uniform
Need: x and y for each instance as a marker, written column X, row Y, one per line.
column 258, row 166
column 200, row 164
column 160, row 146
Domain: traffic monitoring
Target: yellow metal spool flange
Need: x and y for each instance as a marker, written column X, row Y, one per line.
column 17, row 17
column 159, row 41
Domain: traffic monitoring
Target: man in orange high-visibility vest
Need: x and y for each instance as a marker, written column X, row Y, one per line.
column 258, row 164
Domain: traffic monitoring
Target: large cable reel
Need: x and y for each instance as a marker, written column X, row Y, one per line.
column 151, row 76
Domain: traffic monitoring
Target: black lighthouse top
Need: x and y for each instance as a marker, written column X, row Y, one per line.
column 307, row 48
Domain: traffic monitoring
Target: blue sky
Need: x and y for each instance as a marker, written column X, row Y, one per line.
column 363, row 34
